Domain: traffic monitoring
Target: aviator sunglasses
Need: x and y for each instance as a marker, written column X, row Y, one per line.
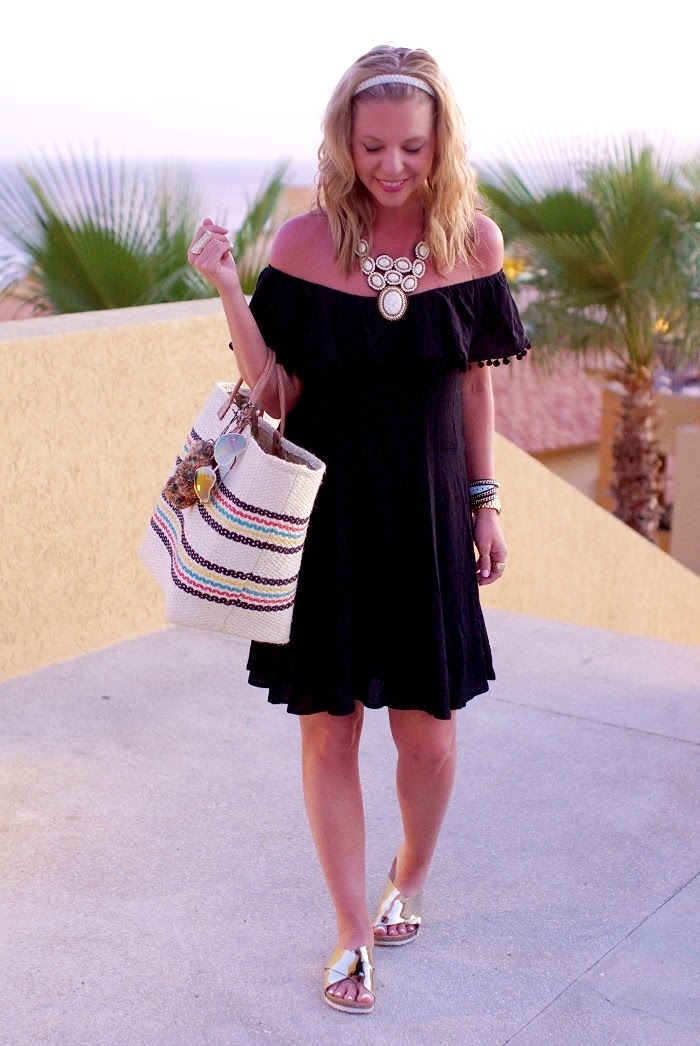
column 226, row 450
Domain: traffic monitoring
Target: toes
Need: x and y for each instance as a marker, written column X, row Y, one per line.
column 350, row 990
column 346, row 989
column 361, row 994
column 395, row 930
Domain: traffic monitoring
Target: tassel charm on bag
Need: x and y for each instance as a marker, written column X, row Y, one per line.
column 179, row 491
column 226, row 538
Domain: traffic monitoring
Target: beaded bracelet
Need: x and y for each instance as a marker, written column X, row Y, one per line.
column 483, row 493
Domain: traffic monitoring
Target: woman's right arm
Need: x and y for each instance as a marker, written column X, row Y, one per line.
column 216, row 263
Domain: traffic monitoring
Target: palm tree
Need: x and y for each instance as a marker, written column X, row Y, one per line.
column 614, row 263
column 87, row 234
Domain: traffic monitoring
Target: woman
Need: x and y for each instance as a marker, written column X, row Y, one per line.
column 378, row 303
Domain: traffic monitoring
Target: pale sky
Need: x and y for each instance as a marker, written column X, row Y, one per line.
column 232, row 81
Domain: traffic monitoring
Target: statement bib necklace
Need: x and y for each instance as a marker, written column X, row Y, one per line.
column 394, row 278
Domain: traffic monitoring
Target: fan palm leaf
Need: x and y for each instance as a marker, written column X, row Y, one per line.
column 252, row 241
column 615, row 267
column 95, row 235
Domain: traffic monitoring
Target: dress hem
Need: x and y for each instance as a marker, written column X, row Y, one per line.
column 371, row 704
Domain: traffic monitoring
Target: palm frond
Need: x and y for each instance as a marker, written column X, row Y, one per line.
column 260, row 210
column 613, row 253
column 91, row 234
column 252, row 241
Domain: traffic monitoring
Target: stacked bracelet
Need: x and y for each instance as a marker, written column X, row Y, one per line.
column 483, row 493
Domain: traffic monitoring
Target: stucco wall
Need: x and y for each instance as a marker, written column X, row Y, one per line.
column 94, row 409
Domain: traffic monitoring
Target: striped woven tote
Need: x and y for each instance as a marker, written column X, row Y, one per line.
column 231, row 564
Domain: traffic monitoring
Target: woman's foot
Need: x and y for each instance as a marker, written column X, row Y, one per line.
column 354, row 992
column 409, row 881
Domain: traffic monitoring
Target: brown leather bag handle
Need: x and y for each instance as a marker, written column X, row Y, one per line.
column 270, row 364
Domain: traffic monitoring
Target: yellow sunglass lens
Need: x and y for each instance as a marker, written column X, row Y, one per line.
column 204, row 480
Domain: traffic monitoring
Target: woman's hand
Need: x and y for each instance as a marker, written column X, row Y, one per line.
column 491, row 545
column 215, row 262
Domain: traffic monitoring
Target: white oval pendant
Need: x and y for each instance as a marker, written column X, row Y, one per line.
column 384, row 262
column 377, row 281
column 392, row 303
column 409, row 283
column 402, row 264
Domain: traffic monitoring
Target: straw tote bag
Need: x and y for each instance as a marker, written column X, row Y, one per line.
column 230, row 564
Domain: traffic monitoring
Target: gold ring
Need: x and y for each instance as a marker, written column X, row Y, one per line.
column 201, row 243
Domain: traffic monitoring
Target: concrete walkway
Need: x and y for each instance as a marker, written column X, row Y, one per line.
column 158, row 885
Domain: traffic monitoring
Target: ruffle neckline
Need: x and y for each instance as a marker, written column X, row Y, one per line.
column 497, row 276
column 309, row 325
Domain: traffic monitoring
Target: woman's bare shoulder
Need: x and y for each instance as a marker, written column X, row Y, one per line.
column 489, row 252
column 488, row 258
column 300, row 244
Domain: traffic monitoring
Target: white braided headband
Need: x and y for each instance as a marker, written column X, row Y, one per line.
column 394, row 78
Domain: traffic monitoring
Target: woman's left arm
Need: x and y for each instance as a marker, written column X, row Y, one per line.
column 478, row 425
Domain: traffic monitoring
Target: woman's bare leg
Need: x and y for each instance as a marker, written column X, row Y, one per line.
column 425, row 775
column 333, row 797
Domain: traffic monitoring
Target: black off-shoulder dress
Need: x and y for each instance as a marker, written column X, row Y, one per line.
column 387, row 609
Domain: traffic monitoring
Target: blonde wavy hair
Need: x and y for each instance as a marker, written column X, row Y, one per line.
column 450, row 190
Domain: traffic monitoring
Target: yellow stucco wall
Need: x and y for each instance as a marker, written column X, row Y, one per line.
column 95, row 407
column 571, row 560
